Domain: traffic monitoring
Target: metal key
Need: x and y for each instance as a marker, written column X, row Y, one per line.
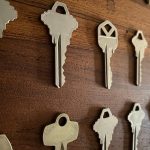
column 7, row 13
column 135, row 118
column 59, row 135
column 140, row 45
column 108, row 42
column 105, row 126
column 61, row 27
column 4, row 143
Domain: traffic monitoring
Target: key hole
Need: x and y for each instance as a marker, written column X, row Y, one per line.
column 137, row 108
column 60, row 10
column 140, row 37
column 108, row 27
column 106, row 115
column 62, row 121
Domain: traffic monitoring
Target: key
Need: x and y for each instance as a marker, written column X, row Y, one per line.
column 105, row 126
column 59, row 135
column 140, row 45
column 7, row 13
column 61, row 27
column 108, row 42
column 4, row 143
column 135, row 118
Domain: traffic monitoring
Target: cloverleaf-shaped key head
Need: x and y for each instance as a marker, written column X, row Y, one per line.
column 139, row 43
column 7, row 13
column 105, row 126
column 57, row 134
column 4, row 143
column 107, row 36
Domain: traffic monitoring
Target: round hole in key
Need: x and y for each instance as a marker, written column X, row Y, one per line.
column 140, row 36
column 60, row 10
column 62, row 121
column 137, row 108
column 106, row 115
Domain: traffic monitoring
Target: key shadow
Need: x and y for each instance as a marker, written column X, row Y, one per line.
column 46, row 59
column 126, row 125
column 93, row 140
column 132, row 59
column 99, row 59
column 148, row 109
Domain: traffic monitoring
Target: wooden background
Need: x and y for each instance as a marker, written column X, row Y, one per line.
column 29, row 99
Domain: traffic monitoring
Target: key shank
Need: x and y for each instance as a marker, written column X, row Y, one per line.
column 108, row 72
column 139, row 70
column 60, row 50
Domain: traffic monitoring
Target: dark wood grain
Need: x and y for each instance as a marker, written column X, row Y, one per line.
column 28, row 98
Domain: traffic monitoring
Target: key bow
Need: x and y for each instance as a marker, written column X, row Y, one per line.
column 60, row 4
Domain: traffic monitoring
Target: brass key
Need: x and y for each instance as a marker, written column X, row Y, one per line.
column 61, row 27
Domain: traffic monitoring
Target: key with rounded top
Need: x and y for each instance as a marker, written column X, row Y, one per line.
column 108, row 42
column 61, row 27
column 59, row 135
column 4, row 143
column 140, row 45
column 105, row 126
column 136, row 117
column 7, row 13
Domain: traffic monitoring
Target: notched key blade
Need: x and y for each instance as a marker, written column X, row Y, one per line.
column 7, row 14
column 4, row 143
column 60, row 27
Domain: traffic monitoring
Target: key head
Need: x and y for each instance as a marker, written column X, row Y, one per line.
column 105, row 126
column 139, row 43
column 4, row 143
column 56, row 134
column 7, row 13
column 107, row 36
column 136, row 117
column 59, row 24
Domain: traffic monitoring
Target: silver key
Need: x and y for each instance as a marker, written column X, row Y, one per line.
column 7, row 13
column 59, row 135
column 140, row 45
column 61, row 27
column 105, row 128
column 108, row 42
column 135, row 118
column 4, row 143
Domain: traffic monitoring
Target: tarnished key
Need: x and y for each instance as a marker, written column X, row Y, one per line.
column 108, row 42
column 7, row 13
column 105, row 126
column 140, row 45
column 135, row 118
column 59, row 135
column 61, row 27
column 4, row 143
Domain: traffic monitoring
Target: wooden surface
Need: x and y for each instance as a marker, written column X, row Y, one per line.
column 28, row 98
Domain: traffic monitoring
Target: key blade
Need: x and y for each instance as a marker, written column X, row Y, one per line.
column 7, row 14
column 139, row 70
column 60, row 51
column 108, row 72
